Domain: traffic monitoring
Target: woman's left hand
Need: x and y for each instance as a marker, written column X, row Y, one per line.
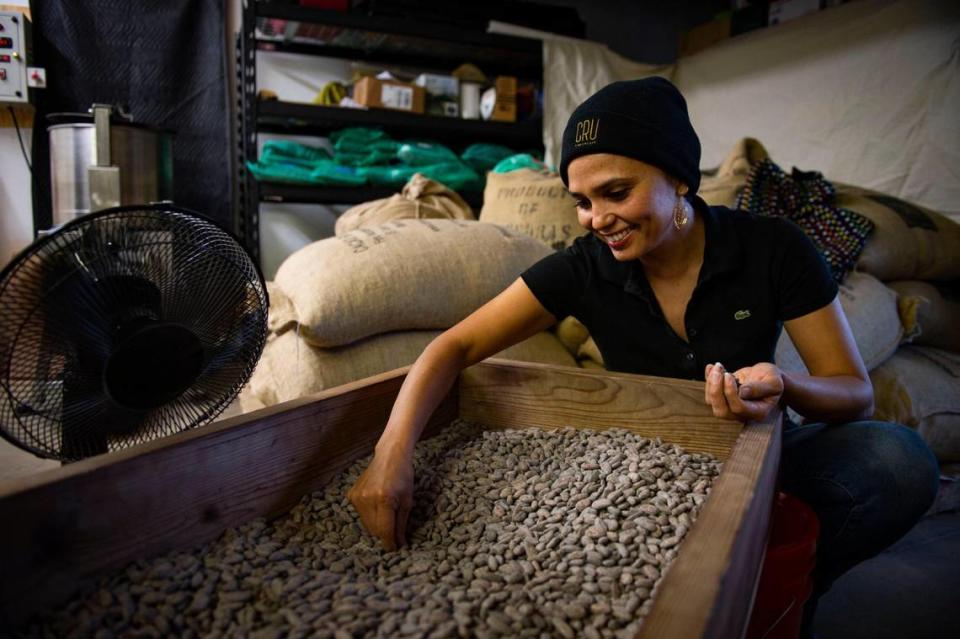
column 752, row 399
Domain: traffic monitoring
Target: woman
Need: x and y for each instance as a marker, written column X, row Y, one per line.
column 669, row 286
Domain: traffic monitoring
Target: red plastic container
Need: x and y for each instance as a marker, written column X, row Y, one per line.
column 785, row 579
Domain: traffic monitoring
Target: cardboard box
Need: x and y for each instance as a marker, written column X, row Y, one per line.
column 389, row 94
column 439, row 85
column 505, row 107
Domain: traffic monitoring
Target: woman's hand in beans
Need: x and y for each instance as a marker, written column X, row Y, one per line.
column 383, row 497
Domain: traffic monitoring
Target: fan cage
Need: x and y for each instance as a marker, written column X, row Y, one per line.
column 65, row 300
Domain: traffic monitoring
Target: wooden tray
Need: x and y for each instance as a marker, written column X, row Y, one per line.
column 62, row 527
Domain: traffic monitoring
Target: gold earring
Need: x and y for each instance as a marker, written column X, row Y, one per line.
column 680, row 213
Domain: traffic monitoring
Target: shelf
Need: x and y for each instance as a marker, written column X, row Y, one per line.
column 290, row 117
column 309, row 194
column 493, row 53
column 432, row 41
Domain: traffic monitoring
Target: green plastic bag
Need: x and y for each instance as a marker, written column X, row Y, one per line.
column 293, row 150
column 324, row 172
column 268, row 157
column 329, row 172
column 425, row 153
column 380, row 152
column 356, row 139
column 482, row 157
column 280, row 172
column 454, row 175
column 387, row 175
column 519, row 161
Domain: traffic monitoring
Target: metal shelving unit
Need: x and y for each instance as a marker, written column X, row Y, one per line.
column 356, row 36
column 305, row 193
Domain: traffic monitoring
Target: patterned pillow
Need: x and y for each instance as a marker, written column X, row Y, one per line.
column 808, row 200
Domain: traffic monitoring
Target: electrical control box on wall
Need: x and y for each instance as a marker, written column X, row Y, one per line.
column 14, row 58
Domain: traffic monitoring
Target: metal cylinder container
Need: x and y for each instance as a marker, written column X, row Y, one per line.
column 143, row 155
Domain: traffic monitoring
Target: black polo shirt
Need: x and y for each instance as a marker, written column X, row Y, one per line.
column 757, row 273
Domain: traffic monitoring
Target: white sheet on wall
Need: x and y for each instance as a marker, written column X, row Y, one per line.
column 862, row 92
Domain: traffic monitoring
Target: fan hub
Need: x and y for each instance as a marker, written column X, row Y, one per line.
column 153, row 366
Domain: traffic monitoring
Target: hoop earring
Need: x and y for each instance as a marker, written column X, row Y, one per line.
column 680, row 213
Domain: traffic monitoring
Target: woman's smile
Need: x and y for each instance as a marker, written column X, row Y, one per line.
column 619, row 240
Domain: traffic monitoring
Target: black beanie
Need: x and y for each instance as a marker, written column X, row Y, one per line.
column 641, row 119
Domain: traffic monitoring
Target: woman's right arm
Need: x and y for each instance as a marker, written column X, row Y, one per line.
column 383, row 494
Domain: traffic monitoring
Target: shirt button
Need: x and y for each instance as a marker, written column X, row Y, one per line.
column 692, row 332
column 689, row 357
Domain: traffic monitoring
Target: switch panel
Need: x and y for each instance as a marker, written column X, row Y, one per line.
column 14, row 55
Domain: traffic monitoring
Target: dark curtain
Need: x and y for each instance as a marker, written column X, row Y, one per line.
column 164, row 60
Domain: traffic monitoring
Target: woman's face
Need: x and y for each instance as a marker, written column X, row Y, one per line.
column 626, row 203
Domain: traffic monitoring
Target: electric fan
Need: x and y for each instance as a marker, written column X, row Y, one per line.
column 122, row 326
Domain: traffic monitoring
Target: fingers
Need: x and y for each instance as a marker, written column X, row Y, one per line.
column 706, row 387
column 715, row 392
column 759, row 389
column 727, row 399
column 731, row 393
column 383, row 497
column 749, row 401
column 748, row 394
column 381, row 516
column 385, row 524
column 400, row 533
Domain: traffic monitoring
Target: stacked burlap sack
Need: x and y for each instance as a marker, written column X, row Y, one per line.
column 901, row 301
column 368, row 300
column 532, row 202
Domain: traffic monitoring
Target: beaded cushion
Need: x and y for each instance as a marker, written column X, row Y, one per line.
column 807, row 199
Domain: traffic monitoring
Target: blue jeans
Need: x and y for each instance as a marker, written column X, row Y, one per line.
column 869, row 483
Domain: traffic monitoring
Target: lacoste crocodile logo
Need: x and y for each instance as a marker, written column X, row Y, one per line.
column 741, row 315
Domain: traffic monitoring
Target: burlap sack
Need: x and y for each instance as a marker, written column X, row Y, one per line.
column 723, row 187
column 282, row 314
column 421, row 198
column 871, row 310
column 403, row 275
column 291, row 368
column 930, row 313
column 920, row 387
column 571, row 333
column 909, row 242
column 588, row 351
column 248, row 401
column 532, row 202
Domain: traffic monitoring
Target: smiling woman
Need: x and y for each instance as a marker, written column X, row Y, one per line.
column 669, row 286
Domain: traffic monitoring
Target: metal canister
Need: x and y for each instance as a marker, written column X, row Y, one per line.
column 144, row 156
